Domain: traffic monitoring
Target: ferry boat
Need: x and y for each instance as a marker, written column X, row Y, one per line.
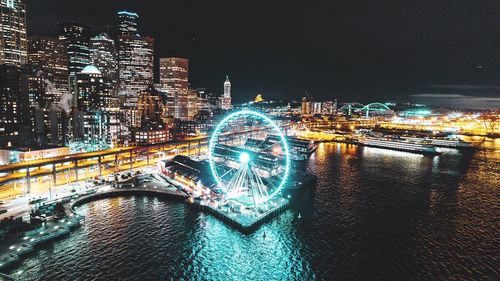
column 399, row 144
column 447, row 143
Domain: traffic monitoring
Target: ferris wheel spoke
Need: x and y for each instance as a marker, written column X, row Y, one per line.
column 257, row 177
column 235, row 182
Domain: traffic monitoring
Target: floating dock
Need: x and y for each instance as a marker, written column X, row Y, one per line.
column 24, row 246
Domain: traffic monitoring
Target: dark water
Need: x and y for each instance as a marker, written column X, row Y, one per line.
column 374, row 215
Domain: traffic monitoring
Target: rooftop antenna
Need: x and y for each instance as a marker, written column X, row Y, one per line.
column 307, row 94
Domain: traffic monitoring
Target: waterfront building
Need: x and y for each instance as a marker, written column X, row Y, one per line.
column 13, row 40
column 75, row 37
column 187, row 171
column 135, row 59
column 103, row 56
column 14, row 154
column 226, row 97
column 174, row 74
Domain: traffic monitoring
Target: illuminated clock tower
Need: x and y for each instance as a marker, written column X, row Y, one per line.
column 226, row 98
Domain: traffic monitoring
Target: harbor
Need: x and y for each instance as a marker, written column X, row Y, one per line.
column 426, row 145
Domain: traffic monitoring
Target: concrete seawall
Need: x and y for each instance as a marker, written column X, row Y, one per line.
column 126, row 192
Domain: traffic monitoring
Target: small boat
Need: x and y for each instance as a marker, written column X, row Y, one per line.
column 299, row 216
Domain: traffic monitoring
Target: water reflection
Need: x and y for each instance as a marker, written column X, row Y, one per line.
column 373, row 214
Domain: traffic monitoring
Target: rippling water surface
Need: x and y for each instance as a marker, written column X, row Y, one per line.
column 374, row 215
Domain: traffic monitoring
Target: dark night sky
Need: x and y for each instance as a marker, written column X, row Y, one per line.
column 351, row 50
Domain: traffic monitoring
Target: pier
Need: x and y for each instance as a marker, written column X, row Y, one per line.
column 244, row 222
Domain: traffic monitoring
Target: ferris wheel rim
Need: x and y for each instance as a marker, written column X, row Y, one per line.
column 275, row 127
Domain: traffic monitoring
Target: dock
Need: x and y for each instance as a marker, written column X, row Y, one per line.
column 20, row 247
column 244, row 222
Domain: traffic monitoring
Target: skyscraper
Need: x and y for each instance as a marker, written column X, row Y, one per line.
column 13, row 75
column 192, row 104
column 48, row 83
column 75, row 38
column 13, row 101
column 93, row 91
column 13, row 40
column 174, row 73
column 226, row 98
column 305, row 106
column 135, row 59
column 49, row 70
column 127, row 23
column 103, row 56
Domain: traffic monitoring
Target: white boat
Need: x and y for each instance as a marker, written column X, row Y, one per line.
column 451, row 143
column 400, row 145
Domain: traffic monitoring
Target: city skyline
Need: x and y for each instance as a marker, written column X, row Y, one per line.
column 257, row 140
column 360, row 56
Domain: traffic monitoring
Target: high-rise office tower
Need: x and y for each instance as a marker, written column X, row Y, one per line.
column 226, row 98
column 174, row 73
column 49, row 70
column 75, row 38
column 305, row 106
column 127, row 23
column 192, row 104
column 48, row 83
column 93, row 91
column 13, row 41
column 13, row 101
column 316, row 107
column 103, row 56
column 13, row 74
column 135, row 59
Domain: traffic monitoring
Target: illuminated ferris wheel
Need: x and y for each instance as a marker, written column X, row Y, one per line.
column 249, row 158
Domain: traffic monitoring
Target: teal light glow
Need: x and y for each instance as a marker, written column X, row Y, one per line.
column 128, row 13
column 244, row 157
column 276, row 129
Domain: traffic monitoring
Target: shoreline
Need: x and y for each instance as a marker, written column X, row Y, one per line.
column 22, row 247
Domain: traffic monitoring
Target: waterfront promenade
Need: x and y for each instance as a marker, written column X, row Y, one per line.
column 14, row 249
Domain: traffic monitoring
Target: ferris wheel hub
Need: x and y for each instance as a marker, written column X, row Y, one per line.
column 244, row 158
